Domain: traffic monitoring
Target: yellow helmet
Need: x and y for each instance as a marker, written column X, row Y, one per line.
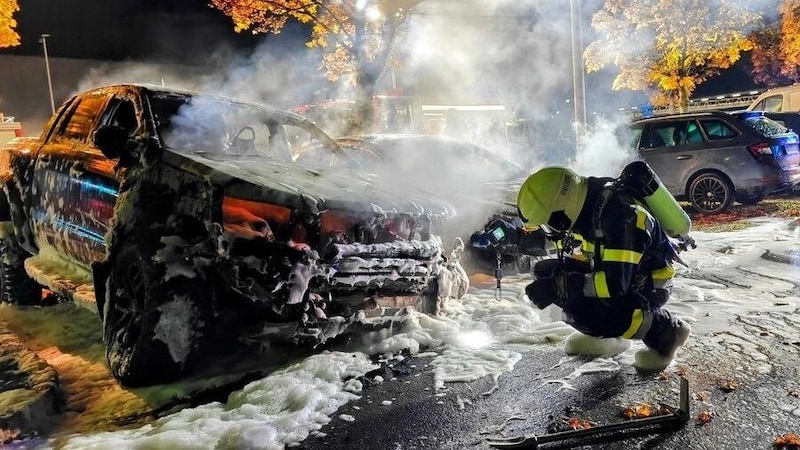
column 548, row 192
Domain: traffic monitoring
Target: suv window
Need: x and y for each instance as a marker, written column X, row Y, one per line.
column 765, row 126
column 717, row 129
column 667, row 134
column 693, row 135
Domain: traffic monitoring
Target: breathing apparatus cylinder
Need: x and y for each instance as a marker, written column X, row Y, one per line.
column 640, row 177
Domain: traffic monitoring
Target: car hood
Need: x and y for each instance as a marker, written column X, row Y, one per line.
column 458, row 185
column 311, row 188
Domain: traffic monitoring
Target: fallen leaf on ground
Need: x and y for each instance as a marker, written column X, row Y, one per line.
column 636, row 411
column 702, row 396
column 789, row 440
column 578, row 424
column 729, row 385
column 705, row 417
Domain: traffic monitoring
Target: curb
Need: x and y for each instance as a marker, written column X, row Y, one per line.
column 30, row 391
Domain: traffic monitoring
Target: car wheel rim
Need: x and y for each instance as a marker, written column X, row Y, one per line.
column 709, row 194
column 127, row 306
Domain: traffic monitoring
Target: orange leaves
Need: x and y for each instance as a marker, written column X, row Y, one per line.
column 788, row 441
column 705, row 417
column 729, row 385
column 8, row 34
column 680, row 43
column 637, row 411
column 578, row 424
column 776, row 56
column 266, row 16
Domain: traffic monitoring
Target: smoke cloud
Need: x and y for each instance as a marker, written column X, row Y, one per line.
column 507, row 53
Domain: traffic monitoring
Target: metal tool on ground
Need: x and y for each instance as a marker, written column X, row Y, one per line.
column 676, row 418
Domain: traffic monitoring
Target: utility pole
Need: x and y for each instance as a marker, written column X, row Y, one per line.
column 578, row 85
column 43, row 41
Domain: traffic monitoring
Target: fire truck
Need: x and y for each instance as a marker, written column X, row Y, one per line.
column 9, row 129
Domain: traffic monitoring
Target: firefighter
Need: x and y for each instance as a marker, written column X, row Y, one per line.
column 615, row 279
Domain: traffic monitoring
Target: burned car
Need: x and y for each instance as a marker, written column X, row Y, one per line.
column 480, row 185
column 185, row 214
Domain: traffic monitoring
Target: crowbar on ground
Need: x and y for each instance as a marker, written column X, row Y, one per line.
column 676, row 418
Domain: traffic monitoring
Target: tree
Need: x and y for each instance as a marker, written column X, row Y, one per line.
column 776, row 55
column 8, row 34
column 355, row 35
column 668, row 47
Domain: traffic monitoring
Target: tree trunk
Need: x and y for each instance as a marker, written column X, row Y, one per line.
column 368, row 71
column 683, row 100
column 363, row 112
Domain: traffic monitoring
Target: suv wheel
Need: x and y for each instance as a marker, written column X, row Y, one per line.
column 710, row 193
column 15, row 284
column 152, row 328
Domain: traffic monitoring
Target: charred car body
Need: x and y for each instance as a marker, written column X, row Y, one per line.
column 481, row 185
column 179, row 211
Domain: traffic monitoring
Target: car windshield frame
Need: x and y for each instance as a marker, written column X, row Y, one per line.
column 206, row 125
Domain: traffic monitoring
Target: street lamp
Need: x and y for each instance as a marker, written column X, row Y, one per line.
column 578, row 87
column 43, row 41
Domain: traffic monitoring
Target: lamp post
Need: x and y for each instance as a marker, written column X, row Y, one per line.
column 43, row 41
column 579, row 92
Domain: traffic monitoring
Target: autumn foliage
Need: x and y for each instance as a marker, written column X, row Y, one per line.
column 356, row 36
column 776, row 56
column 668, row 47
column 8, row 34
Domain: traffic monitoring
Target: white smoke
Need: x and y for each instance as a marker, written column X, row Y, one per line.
column 516, row 54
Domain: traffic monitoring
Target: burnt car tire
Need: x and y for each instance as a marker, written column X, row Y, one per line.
column 152, row 328
column 749, row 199
column 16, row 287
column 710, row 193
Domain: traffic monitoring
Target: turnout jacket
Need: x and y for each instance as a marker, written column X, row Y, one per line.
column 628, row 255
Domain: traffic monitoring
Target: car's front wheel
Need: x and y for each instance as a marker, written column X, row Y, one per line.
column 710, row 193
column 152, row 327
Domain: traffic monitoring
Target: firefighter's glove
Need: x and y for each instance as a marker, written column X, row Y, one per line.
column 558, row 288
column 542, row 292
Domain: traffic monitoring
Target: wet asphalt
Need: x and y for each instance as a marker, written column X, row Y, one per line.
column 466, row 417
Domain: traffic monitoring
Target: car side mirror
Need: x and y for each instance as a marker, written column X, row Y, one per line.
column 112, row 141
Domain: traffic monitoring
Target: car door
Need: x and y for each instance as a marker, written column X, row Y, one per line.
column 74, row 186
column 671, row 149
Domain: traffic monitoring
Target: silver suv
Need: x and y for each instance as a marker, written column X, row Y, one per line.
column 713, row 158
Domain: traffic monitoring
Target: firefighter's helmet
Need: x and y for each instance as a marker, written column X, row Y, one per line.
column 552, row 197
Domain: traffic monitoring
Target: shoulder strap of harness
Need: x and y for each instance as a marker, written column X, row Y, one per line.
column 597, row 225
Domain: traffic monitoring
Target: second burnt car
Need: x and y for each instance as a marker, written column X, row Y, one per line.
column 173, row 213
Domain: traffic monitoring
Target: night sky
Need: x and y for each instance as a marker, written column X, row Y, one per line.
column 181, row 31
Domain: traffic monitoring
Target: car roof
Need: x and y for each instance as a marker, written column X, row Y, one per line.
column 157, row 89
column 680, row 116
